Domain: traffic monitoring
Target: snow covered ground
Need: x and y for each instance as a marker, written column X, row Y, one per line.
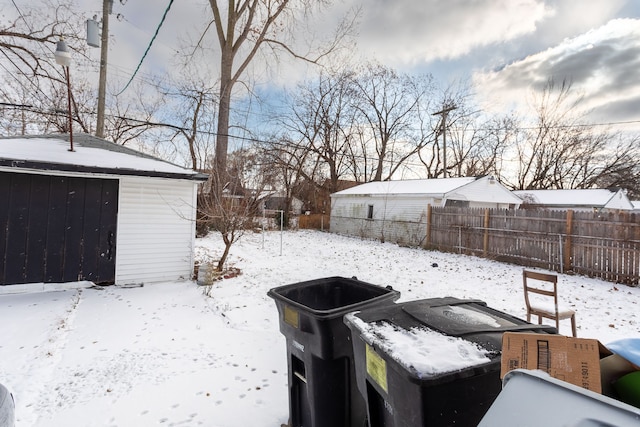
column 167, row 355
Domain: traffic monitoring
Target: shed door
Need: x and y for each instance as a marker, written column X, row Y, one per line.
column 56, row 229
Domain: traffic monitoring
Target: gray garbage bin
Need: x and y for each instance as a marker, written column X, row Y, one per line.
column 7, row 408
column 534, row 399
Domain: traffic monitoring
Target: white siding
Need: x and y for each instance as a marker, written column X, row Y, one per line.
column 156, row 230
column 619, row 201
column 485, row 193
column 400, row 219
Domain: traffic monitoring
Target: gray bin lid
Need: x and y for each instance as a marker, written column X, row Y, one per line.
column 535, row 399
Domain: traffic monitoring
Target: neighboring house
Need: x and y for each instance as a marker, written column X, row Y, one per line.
column 594, row 199
column 636, row 205
column 103, row 213
column 396, row 210
column 277, row 202
column 317, row 199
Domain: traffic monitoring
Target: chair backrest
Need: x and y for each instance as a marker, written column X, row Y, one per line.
column 539, row 288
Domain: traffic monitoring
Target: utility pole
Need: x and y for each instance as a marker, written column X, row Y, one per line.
column 107, row 8
column 444, row 112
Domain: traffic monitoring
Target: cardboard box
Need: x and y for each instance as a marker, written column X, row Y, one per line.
column 574, row 360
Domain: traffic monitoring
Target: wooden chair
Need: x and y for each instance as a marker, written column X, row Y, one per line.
column 542, row 284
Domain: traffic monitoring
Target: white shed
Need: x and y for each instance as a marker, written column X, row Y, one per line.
column 591, row 199
column 396, row 210
column 103, row 213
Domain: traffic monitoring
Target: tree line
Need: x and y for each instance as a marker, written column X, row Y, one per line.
column 371, row 123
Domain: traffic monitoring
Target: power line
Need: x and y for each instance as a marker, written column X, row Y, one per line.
column 251, row 139
column 275, row 143
column 142, row 30
column 148, row 47
column 12, row 105
column 21, row 15
column 20, row 82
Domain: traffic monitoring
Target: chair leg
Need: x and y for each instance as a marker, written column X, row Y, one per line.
column 573, row 325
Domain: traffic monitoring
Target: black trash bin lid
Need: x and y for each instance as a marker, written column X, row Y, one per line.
column 459, row 319
column 424, row 353
column 332, row 297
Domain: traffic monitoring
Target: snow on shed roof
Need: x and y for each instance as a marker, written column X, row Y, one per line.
column 562, row 197
column 437, row 186
column 91, row 154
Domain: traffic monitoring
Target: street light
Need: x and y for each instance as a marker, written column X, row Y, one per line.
column 63, row 57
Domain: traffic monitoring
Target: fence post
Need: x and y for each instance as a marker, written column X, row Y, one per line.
column 486, row 232
column 561, row 254
column 567, row 242
column 428, row 237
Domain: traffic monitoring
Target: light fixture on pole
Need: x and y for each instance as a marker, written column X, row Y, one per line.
column 63, row 57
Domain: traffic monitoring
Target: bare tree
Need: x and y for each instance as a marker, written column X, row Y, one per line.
column 389, row 104
column 562, row 150
column 40, row 106
column 232, row 212
column 34, row 87
column 467, row 149
column 35, row 92
column 320, row 129
column 21, row 111
column 619, row 166
column 194, row 107
column 291, row 165
column 501, row 131
column 477, row 144
column 27, row 41
column 228, row 215
column 243, row 28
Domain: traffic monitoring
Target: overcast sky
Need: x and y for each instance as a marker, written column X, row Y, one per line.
column 508, row 47
column 505, row 47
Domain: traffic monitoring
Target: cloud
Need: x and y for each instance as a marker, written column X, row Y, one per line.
column 569, row 18
column 451, row 39
column 410, row 31
column 602, row 65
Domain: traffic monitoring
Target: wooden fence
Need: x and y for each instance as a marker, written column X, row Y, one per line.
column 314, row 221
column 595, row 244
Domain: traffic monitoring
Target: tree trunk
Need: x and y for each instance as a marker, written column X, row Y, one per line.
column 222, row 138
column 227, row 247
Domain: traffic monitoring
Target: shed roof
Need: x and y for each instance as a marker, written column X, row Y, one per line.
column 438, row 186
column 478, row 189
column 91, row 155
column 589, row 197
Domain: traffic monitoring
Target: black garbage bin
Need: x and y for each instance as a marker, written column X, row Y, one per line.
column 322, row 386
column 433, row 362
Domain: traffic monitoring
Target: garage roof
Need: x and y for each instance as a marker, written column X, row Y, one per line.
column 90, row 155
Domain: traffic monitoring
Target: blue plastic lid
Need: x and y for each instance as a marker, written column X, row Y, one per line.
column 629, row 348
